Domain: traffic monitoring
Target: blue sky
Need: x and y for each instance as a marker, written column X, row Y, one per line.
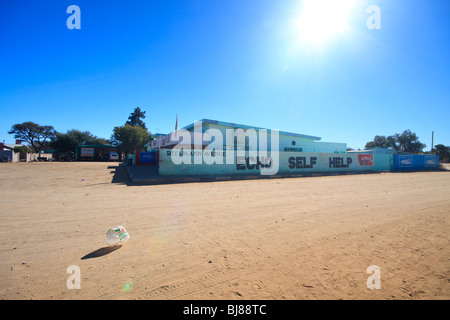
column 241, row 61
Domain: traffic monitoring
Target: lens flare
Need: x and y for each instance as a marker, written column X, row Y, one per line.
column 128, row 286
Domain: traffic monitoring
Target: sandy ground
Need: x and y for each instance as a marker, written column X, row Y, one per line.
column 296, row 238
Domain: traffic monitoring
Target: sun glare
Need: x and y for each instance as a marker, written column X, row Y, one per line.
column 322, row 20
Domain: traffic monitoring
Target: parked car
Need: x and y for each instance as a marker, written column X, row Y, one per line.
column 113, row 156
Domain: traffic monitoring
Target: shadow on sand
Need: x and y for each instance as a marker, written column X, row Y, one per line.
column 120, row 174
column 101, row 252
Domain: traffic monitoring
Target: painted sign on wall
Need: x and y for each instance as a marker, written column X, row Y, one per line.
column 284, row 162
column 403, row 162
column 87, row 152
column 365, row 160
column 146, row 158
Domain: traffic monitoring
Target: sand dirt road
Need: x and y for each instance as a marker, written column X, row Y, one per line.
column 293, row 238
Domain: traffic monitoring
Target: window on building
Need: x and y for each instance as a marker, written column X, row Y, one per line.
column 293, row 143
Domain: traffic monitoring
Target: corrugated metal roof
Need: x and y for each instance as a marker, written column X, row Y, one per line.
column 96, row 146
column 242, row 126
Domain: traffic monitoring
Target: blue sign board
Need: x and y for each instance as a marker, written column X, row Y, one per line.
column 148, row 157
column 404, row 162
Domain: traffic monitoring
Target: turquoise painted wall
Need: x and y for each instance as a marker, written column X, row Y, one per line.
column 382, row 162
column 289, row 162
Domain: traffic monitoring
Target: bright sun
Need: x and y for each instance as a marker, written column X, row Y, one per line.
column 321, row 20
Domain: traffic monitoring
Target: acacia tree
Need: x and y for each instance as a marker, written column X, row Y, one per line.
column 35, row 135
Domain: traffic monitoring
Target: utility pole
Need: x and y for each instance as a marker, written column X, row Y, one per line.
column 432, row 140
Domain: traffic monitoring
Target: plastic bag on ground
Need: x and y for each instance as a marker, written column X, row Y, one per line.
column 116, row 235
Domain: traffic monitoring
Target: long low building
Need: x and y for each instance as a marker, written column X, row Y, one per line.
column 215, row 148
column 288, row 141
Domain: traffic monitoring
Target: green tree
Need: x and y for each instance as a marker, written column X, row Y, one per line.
column 68, row 141
column 378, row 141
column 392, row 142
column 135, row 118
column 130, row 138
column 443, row 152
column 38, row 137
column 407, row 142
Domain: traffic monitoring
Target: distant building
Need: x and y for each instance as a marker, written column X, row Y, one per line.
column 7, row 153
column 97, row 152
column 374, row 150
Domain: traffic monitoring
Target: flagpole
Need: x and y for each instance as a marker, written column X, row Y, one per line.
column 176, row 125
